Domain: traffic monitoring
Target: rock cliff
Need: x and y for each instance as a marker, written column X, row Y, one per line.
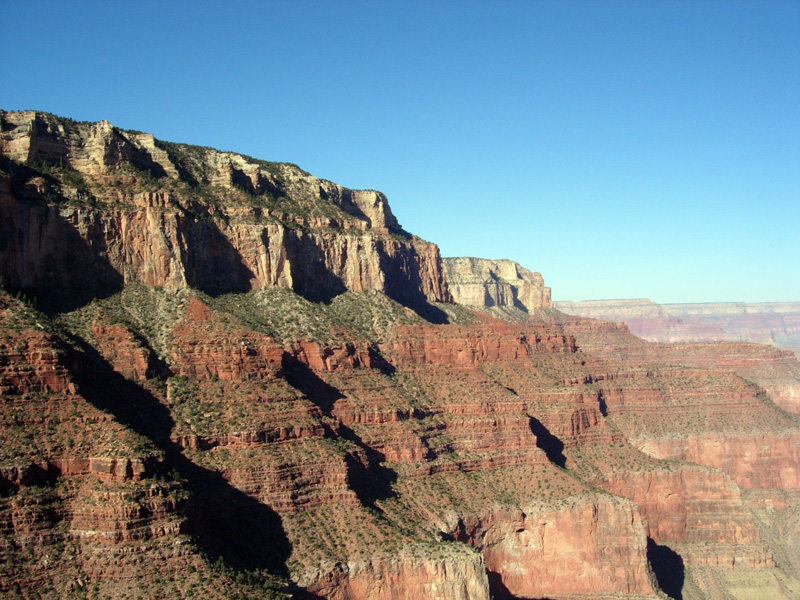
column 187, row 417
column 88, row 208
column 486, row 283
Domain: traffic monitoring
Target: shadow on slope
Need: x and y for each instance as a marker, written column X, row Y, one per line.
column 601, row 401
column 372, row 481
column 552, row 446
column 668, row 568
column 499, row 591
column 211, row 262
column 432, row 314
column 366, row 474
column 225, row 523
column 42, row 253
column 404, row 283
column 302, row 378
column 379, row 361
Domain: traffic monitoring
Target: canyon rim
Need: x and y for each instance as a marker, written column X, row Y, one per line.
column 225, row 377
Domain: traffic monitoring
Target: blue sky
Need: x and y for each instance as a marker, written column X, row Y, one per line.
column 622, row 149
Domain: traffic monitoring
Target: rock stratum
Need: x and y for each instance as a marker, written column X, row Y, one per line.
column 225, row 378
column 480, row 282
column 774, row 323
column 124, row 207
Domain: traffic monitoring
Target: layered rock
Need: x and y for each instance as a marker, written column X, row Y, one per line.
column 457, row 416
column 89, row 208
column 770, row 460
column 234, row 354
column 29, row 363
column 168, row 441
column 698, row 411
column 472, row 346
column 538, row 553
column 776, row 323
column 613, row 310
column 696, row 509
column 459, row 576
column 487, row 283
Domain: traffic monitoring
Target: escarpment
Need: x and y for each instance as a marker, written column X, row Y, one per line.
column 481, row 282
column 775, row 323
column 222, row 377
column 88, row 208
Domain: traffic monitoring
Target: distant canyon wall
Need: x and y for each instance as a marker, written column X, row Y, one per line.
column 775, row 323
column 481, row 282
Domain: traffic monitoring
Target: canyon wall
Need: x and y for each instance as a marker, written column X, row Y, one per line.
column 232, row 382
column 775, row 323
column 481, row 282
column 88, row 208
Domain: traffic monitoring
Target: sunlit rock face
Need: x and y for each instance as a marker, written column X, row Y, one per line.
column 128, row 208
column 486, row 283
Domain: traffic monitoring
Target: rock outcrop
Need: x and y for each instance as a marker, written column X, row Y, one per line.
column 486, row 283
column 461, row 575
column 88, row 208
column 536, row 553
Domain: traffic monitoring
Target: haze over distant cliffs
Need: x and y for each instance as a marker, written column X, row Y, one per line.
column 774, row 323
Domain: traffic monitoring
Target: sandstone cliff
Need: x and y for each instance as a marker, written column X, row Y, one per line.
column 88, row 208
column 189, row 418
column 486, row 283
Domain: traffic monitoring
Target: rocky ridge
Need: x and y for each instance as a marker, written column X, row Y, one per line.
column 125, row 207
column 157, row 433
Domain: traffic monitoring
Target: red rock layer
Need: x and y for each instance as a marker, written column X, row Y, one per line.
column 590, row 546
column 752, row 460
column 29, row 361
column 364, row 456
column 203, row 348
column 126, row 354
column 468, row 347
column 460, row 576
column 698, row 509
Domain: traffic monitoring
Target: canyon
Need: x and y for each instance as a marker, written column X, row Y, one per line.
column 773, row 323
column 224, row 377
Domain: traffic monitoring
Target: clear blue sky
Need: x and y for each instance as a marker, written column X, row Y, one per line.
column 622, row 149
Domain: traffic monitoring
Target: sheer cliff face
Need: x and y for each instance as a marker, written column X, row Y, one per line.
column 89, row 207
column 486, row 283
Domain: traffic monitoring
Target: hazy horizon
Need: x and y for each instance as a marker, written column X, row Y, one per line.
column 778, row 302
column 624, row 150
